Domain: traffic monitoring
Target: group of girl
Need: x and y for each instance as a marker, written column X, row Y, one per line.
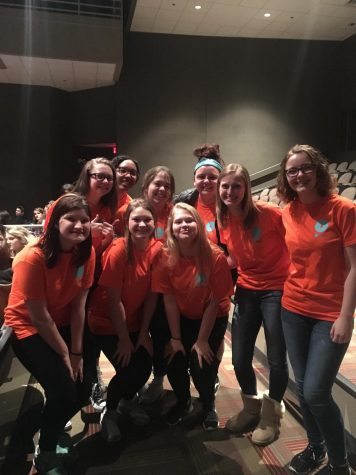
column 162, row 293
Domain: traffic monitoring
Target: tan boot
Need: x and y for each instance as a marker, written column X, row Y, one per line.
column 268, row 428
column 247, row 419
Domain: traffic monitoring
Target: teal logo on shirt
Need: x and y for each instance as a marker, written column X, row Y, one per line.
column 200, row 279
column 210, row 226
column 320, row 227
column 159, row 233
column 256, row 234
column 79, row 272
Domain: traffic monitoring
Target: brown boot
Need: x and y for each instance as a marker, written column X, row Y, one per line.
column 268, row 428
column 247, row 419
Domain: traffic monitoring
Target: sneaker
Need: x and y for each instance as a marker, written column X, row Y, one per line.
column 216, row 384
column 109, row 426
column 68, row 426
column 49, row 462
column 133, row 410
column 307, row 460
column 100, row 380
column 331, row 470
column 154, row 391
column 177, row 413
column 211, row 420
column 97, row 398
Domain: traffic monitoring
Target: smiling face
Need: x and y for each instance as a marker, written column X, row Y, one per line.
column 73, row 228
column 158, row 192
column 303, row 181
column 141, row 224
column 126, row 174
column 15, row 244
column 205, row 181
column 184, row 227
column 232, row 191
column 100, row 187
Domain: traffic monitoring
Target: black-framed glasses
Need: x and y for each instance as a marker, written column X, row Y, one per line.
column 101, row 177
column 127, row 171
column 306, row 169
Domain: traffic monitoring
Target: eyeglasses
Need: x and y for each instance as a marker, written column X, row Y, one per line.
column 306, row 169
column 101, row 177
column 127, row 171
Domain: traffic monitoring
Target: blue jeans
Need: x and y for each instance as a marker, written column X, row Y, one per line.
column 315, row 360
column 254, row 308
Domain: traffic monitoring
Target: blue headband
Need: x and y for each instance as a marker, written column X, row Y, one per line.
column 206, row 162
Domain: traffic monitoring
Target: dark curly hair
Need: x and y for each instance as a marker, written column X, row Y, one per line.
column 208, row 150
column 324, row 181
column 116, row 162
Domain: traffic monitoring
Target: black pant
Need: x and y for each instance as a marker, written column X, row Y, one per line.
column 128, row 380
column 203, row 378
column 160, row 334
column 64, row 397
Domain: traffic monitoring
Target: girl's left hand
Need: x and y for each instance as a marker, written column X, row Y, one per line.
column 77, row 367
column 341, row 331
column 203, row 351
column 107, row 233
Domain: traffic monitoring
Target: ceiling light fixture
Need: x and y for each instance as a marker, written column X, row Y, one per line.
column 197, row 7
column 267, row 15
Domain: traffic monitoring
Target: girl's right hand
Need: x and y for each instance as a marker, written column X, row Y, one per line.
column 174, row 347
column 96, row 226
column 124, row 352
column 68, row 363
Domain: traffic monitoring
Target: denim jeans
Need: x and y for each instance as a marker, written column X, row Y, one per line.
column 254, row 308
column 315, row 360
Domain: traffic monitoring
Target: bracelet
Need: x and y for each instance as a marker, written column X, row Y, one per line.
column 76, row 354
column 177, row 339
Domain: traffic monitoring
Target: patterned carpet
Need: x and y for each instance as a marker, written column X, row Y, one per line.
column 185, row 449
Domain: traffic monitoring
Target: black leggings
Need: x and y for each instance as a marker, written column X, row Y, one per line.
column 128, row 380
column 160, row 334
column 64, row 397
column 203, row 378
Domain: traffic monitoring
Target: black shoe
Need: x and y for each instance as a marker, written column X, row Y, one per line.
column 307, row 460
column 330, row 470
column 211, row 420
column 97, row 398
column 177, row 412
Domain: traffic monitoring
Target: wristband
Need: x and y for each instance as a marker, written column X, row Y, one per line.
column 76, row 354
column 177, row 339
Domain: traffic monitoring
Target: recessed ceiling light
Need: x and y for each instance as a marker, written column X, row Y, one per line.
column 267, row 15
column 197, row 7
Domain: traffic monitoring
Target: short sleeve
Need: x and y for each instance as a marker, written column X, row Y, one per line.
column 221, row 280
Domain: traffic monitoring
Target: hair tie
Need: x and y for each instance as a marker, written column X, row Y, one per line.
column 206, row 162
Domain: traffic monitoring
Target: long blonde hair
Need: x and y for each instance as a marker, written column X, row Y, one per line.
column 203, row 254
column 248, row 208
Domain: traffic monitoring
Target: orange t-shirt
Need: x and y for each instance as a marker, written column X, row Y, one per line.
column 316, row 235
column 208, row 216
column 132, row 280
column 192, row 290
column 161, row 223
column 124, row 201
column 105, row 214
column 58, row 286
column 260, row 251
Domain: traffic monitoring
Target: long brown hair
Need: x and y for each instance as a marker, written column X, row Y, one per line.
column 248, row 208
column 82, row 185
column 324, row 181
column 203, row 253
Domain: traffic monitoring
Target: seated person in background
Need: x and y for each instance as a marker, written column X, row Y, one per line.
column 20, row 217
column 5, row 259
column 5, row 217
column 39, row 215
column 17, row 238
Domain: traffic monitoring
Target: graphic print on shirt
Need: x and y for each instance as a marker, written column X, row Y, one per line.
column 320, row 227
column 79, row 272
column 210, row 226
column 256, row 234
column 200, row 279
column 159, row 232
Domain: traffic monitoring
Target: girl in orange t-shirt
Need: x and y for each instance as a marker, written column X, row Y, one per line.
column 127, row 175
column 254, row 235
column 158, row 187
column 120, row 311
column 319, row 300
column 46, row 311
column 194, row 277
